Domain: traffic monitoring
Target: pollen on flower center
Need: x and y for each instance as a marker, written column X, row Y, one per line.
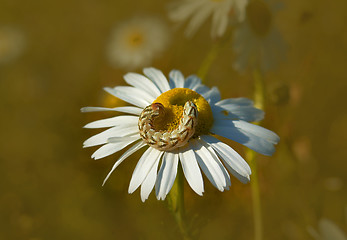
column 135, row 39
column 173, row 102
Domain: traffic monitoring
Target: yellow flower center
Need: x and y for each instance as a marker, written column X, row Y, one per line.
column 173, row 102
column 135, row 39
column 259, row 16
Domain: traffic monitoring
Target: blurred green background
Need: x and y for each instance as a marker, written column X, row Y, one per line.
column 50, row 187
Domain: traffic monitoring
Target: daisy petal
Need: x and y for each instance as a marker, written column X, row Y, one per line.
column 120, row 139
column 114, row 121
column 112, row 148
column 221, row 166
column 166, row 175
column 212, row 96
column 236, row 102
column 201, row 89
column 197, row 20
column 233, row 161
column 144, row 165
column 191, row 170
column 102, row 137
column 141, row 82
column 135, row 91
column 130, row 151
column 182, row 12
column 131, row 95
column 128, row 109
column 209, row 166
column 192, row 81
column 256, row 143
column 158, row 78
column 148, row 183
column 242, row 108
column 176, row 79
column 257, row 131
column 220, row 22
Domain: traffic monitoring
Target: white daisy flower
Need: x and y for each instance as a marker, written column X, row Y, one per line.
column 135, row 43
column 177, row 122
column 200, row 10
column 256, row 41
column 12, row 42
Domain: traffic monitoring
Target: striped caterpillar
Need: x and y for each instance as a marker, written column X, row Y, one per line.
column 165, row 140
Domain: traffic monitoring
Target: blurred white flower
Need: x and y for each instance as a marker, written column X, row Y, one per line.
column 256, row 42
column 200, row 10
column 327, row 230
column 136, row 42
column 12, row 42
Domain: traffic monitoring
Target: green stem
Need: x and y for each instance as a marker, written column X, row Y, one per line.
column 259, row 102
column 175, row 201
column 212, row 55
column 207, row 62
column 257, row 214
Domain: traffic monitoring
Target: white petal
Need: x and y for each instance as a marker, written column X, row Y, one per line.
column 247, row 113
column 236, row 101
column 130, row 151
column 158, row 78
column 148, row 183
column 128, row 109
column 166, row 175
column 143, row 167
column 257, row 131
column 197, row 19
column 192, row 82
column 227, row 129
column 191, row 169
column 240, row 7
column 183, row 11
column 176, row 79
column 102, row 137
column 212, row 96
column 131, row 95
column 233, row 161
column 122, row 139
column 141, row 82
column 112, row 148
column 201, row 89
column 242, row 108
column 114, row 121
column 220, row 21
column 136, row 92
column 216, row 158
column 209, row 166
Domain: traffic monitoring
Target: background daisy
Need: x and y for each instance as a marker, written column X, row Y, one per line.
column 136, row 42
column 200, row 10
column 257, row 43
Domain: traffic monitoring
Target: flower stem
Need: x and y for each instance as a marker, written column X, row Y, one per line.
column 257, row 215
column 175, row 201
column 259, row 95
column 212, row 55
column 207, row 62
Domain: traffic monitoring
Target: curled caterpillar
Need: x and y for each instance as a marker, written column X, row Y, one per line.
column 167, row 140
